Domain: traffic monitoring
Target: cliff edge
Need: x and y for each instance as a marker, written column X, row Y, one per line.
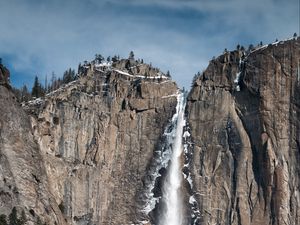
column 23, row 180
column 98, row 135
column 244, row 118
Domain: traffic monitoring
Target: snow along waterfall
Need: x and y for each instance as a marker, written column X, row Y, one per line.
column 163, row 200
column 171, row 197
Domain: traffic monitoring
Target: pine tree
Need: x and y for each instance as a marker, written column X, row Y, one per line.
column 59, row 82
column 168, row 74
column 53, row 82
column 251, row 47
column 195, row 78
column 22, row 220
column 68, row 76
column 79, row 70
column 38, row 221
column 46, row 84
column 98, row 58
column 131, row 55
column 13, row 217
column 73, row 75
column 3, row 220
column 114, row 59
column 35, row 88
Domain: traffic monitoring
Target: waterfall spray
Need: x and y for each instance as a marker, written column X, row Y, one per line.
column 171, row 196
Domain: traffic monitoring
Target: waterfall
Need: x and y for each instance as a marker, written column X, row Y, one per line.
column 168, row 206
column 171, row 197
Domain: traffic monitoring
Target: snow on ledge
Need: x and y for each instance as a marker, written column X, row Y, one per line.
column 36, row 101
column 103, row 64
column 170, row 96
column 158, row 76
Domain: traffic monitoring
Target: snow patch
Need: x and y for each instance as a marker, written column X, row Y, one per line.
column 186, row 134
column 123, row 73
column 192, row 200
column 185, row 149
column 237, row 78
column 274, row 43
column 37, row 101
column 169, row 96
column 158, row 76
column 63, row 87
column 189, row 179
column 103, row 64
column 259, row 48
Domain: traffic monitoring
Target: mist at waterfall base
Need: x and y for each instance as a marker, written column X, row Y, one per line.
column 171, row 197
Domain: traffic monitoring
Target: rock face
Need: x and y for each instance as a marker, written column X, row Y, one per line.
column 244, row 119
column 97, row 136
column 94, row 151
column 4, row 76
column 23, row 180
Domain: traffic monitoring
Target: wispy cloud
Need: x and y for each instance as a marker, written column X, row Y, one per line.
column 39, row 37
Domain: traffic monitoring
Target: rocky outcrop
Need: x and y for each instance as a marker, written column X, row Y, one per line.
column 23, row 180
column 97, row 136
column 4, row 76
column 96, row 150
column 244, row 119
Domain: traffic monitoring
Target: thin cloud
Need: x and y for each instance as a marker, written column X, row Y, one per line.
column 181, row 36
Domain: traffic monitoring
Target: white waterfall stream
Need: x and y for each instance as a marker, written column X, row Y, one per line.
column 171, row 196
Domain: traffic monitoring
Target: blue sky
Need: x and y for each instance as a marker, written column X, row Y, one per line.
column 40, row 37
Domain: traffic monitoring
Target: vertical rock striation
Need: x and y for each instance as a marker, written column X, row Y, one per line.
column 23, row 179
column 96, row 151
column 244, row 120
column 97, row 136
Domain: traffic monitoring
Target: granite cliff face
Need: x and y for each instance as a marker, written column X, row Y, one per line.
column 244, row 119
column 23, row 178
column 96, row 150
column 97, row 136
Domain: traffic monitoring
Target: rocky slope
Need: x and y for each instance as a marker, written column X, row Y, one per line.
column 23, row 180
column 244, row 120
column 97, row 136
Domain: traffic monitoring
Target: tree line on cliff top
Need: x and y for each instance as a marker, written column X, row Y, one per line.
column 40, row 89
